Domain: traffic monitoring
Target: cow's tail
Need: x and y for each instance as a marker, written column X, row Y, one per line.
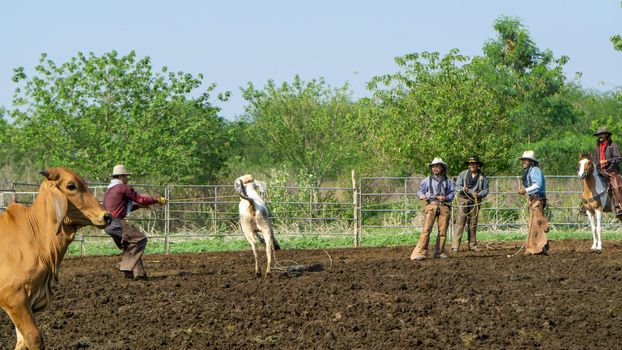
column 275, row 243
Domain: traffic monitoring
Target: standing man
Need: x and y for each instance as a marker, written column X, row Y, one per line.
column 534, row 186
column 438, row 191
column 607, row 157
column 120, row 199
column 472, row 187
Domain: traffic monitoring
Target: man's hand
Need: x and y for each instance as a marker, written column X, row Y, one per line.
column 441, row 198
column 162, row 200
column 521, row 191
column 603, row 163
column 422, row 197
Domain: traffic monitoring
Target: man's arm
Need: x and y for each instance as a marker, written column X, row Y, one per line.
column 449, row 196
column 422, row 193
column 484, row 191
column 615, row 155
column 141, row 200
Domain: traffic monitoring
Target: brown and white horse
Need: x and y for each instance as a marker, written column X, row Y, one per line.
column 595, row 197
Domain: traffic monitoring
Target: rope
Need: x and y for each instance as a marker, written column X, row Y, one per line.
column 518, row 251
column 295, row 269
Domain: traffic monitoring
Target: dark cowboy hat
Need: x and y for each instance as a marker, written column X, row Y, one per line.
column 474, row 159
column 601, row 130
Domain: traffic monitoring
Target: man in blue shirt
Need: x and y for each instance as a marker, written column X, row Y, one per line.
column 534, row 186
column 438, row 191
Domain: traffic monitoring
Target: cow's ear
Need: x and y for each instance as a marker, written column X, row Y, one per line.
column 261, row 186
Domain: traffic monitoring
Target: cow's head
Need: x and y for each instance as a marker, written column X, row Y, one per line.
column 70, row 201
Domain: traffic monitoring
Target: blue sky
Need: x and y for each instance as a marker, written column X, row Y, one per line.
column 234, row 42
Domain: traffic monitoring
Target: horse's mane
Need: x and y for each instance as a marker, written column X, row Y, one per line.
column 587, row 155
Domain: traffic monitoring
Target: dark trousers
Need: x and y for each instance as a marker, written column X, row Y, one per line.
column 132, row 242
column 615, row 183
column 468, row 214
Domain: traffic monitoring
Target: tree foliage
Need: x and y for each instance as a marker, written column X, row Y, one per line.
column 307, row 125
column 437, row 106
column 94, row 112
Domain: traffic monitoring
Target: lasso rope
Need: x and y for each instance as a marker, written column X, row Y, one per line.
column 294, row 268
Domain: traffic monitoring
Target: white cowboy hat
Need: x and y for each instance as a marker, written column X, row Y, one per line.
column 438, row 160
column 120, row 170
column 529, row 155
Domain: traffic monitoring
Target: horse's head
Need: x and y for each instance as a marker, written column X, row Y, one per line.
column 586, row 164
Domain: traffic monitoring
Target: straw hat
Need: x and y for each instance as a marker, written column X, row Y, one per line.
column 529, row 155
column 120, row 170
column 438, row 160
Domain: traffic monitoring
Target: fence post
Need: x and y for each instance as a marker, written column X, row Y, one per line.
column 356, row 219
column 167, row 218
column 494, row 226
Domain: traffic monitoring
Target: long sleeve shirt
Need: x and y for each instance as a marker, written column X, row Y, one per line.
column 480, row 187
column 611, row 154
column 119, row 198
column 534, row 182
column 431, row 187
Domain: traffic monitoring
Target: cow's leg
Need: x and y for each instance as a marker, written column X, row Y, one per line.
column 28, row 334
column 599, row 218
column 267, row 236
column 590, row 216
column 248, row 229
column 254, row 247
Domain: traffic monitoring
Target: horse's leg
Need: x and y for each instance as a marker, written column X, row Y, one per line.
column 599, row 217
column 590, row 216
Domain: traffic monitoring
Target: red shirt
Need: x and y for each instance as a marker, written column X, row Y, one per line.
column 601, row 147
column 116, row 199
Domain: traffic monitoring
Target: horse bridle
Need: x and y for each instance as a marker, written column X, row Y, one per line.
column 588, row 169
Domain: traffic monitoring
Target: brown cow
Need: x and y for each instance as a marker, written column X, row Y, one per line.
column 33, row 242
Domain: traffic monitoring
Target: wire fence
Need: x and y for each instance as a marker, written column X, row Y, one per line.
column 373, row 205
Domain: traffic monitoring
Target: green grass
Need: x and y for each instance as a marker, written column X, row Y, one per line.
column 105, row 246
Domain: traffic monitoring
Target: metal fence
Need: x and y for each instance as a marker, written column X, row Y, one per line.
column 370, row 206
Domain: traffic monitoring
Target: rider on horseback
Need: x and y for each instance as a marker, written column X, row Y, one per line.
column 607, row 157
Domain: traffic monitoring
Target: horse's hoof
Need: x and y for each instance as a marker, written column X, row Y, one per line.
column 597, row 251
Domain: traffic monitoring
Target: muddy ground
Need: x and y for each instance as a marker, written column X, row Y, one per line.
column 358, row 298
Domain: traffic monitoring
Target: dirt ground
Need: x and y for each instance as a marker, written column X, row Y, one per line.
column 342, row 299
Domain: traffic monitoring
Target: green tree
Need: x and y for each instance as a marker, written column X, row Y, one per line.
column 309, row 126
column 530, row 82
column 93, row 112
column 438, row 106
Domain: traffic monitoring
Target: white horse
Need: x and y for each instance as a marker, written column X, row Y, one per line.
column 595, row 197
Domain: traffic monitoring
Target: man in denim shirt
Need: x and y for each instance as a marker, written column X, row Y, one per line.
column 534, row 186
column 438, row 191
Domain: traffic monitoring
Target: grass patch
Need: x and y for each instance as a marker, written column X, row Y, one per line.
column 105, row 245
